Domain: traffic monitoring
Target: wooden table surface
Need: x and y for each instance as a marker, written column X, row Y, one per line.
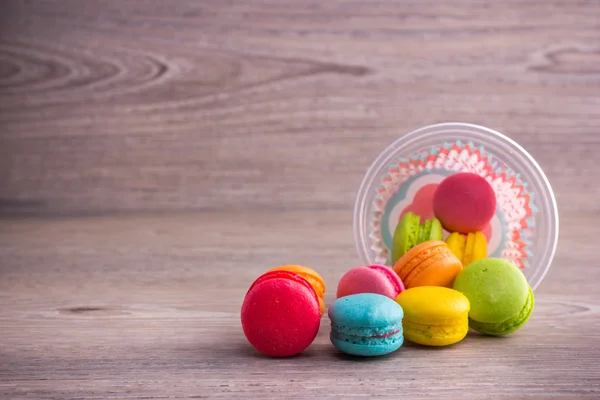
column 156, row 157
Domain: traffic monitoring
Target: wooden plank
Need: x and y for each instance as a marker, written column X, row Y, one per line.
column 148, row 306
column 141, row 106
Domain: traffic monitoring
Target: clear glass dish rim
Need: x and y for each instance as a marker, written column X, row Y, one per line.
column 360, row 223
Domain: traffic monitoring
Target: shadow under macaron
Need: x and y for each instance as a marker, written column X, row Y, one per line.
column 472, row 334
column 340, row 355
column 246, row 350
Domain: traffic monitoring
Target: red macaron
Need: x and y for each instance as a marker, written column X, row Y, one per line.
column 464, row 202
column 280, row 314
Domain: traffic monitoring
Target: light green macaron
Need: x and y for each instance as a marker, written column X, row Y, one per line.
column 410, row 232
column 501, row 299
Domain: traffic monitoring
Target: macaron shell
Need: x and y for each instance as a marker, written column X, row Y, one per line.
column 309, row 274
column 467, row 247
column 405, row 235
column 436, row 231
column 464, row 202
column 430, row 230
column 434, row 316
column 428, row 264
column 368, row 349
column 424, row 231
column 496, row 289
column 421, row 252
column 377, row 279
column 456, row 243
column 434, row 305
column 365, row 310
column 432, row 335
column 366, row 324
column 321, row 305
column 391, row 276
column 508, row 326
column 281, row 274
column 313, row 278
column 440, row 270
column 280, row 314
column 480, row 251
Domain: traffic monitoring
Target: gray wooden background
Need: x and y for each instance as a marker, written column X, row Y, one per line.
column 156, row 157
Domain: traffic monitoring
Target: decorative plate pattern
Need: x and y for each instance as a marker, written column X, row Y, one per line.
column 410, row 183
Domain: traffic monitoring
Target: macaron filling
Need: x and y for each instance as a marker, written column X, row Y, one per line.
column 509, row 325
column 372, row 336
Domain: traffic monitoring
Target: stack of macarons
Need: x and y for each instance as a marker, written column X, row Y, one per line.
column 465, row 204
column 446, row 286
column 433, row 292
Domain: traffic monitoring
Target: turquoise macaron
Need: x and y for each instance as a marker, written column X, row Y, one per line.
column 366, row 324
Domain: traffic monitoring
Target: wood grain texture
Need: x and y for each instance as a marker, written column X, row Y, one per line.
column 156, row 157
column 148, row 306
column 140, row 105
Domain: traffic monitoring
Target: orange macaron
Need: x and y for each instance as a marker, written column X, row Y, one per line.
column 430, row 263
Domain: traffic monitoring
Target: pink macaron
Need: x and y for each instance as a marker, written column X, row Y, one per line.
column 464, row 202
column 377, row 279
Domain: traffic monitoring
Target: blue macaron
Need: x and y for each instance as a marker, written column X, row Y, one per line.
column 366, row 324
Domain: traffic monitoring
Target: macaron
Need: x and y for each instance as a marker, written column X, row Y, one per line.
column 378, row 279
column 464, row 202
column 430, row 263
column 366, row 324
column 410, row 232
column 501, row 299
column 434, row 316
column 467, row 247
column 280, row 314
column 311, row 276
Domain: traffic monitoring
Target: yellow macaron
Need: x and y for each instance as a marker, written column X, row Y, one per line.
column 468, row 247
column 434, row 315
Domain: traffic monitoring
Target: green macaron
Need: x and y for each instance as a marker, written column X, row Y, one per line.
column 410, row 232
column 501, row 299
